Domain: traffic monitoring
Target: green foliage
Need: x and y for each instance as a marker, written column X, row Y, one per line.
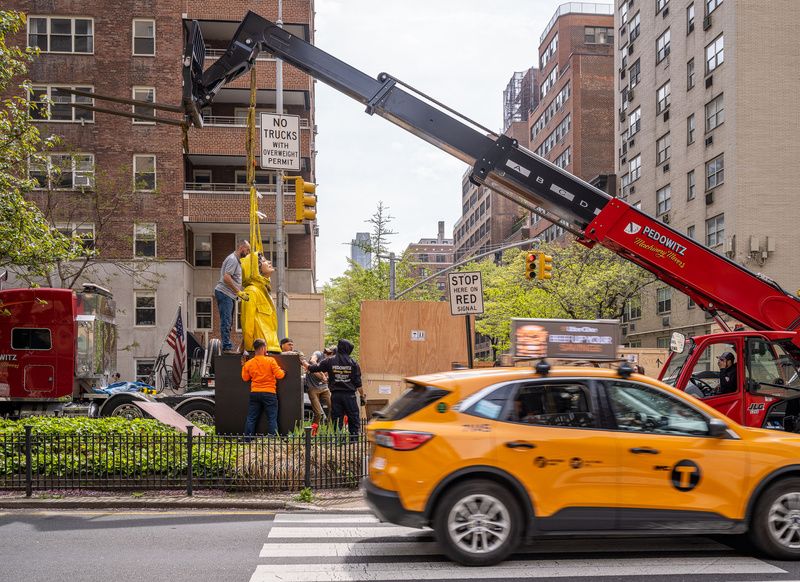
column 306, row 495
column 586, row 284
column 26, row 238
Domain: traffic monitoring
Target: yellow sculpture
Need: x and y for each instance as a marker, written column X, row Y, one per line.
column 259, row 319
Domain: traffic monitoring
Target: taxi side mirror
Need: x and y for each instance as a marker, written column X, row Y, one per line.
column 716, row 427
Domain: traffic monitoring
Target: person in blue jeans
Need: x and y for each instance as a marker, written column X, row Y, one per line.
column 263, row 373
column 228, row 289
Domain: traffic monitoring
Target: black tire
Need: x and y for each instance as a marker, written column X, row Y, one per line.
column 451, row 511
column 198, row 411
column 123, row 406
column 778, row 506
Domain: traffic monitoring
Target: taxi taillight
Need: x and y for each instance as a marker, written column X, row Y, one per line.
column 401, row 440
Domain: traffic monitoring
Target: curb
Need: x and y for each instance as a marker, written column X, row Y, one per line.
column 177, row 503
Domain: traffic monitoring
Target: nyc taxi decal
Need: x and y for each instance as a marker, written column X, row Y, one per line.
column 685, row 475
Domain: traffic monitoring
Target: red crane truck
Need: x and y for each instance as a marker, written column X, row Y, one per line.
column 767, row 358
column 58, row 345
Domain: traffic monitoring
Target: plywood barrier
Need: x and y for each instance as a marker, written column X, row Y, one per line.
column 407, row 338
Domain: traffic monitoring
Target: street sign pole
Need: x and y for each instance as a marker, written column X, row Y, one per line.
column 469, row 342
column 280, row 251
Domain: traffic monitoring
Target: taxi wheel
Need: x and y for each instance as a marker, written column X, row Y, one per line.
column 478, row 523
column 775, row 527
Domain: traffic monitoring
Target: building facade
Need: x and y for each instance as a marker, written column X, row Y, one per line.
column 573, row 126
column 708, row 138
column 164, row 242
column 359, row 252
column 431, row 255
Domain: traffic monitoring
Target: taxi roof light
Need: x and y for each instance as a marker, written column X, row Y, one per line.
column 401, row 440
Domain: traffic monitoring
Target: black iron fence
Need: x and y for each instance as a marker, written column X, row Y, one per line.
column 114, row 462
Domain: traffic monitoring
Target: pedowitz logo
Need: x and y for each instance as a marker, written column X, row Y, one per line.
column 632, row 228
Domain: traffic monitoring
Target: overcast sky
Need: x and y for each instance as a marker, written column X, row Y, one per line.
column 461, row 52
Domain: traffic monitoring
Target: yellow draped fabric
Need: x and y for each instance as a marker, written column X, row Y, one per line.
column 259, row 318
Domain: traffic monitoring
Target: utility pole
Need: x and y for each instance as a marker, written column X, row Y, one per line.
column 280, row 251
column 392, row 273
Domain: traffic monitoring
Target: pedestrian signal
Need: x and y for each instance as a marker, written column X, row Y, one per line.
column 530, row 265
column 545, row 266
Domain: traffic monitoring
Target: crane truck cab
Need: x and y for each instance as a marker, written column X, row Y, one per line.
column 766, row 375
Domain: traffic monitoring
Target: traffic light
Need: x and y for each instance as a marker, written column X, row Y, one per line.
column 305, row 201
column 530, row 265
column 545, row 266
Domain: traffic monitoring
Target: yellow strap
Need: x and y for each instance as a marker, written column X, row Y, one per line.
column 255, row 226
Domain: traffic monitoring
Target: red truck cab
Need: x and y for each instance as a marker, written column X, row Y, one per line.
column 766, row 372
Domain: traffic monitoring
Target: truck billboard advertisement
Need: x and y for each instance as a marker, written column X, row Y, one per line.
column 565, row 338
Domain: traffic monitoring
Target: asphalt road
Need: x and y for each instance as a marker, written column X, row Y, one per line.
column 253, row 546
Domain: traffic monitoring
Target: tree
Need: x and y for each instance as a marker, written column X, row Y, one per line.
column 344, row 294
column 26, row 239
column 586, row 284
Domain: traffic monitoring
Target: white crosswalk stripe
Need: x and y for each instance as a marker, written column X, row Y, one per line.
column 356, row 547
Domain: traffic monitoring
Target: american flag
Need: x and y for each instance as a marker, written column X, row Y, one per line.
column 176, row 341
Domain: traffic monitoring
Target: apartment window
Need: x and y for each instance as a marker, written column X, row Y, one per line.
column 663, row 300
column 690, row 74
column 144, row 37
column 663, row 146
column 83, row 231
column 715, row 172
column 625, row 183
column 662, row 98
column 711, row 5
column 635, row 73
column 660, row 4
column 564, row 159
column 633, row 309
column 715, row 54
column 624, row 12
column 144, row 172
column 634, row 122
column 690, row 127
column 634, row 27
column 55, row 34
column 144, row 239
column 662, row 342
column 624, row 98
column 52, row 103
column 144, row 368
column 63, row 171
column 715, row 230
column 144, row 94
column 635, row 168
column 598, row 35
column 202, row 313
column 202, row 250
column 691, row 185
column 715, row 112
column 663, row 199
column 690, row 232
column 549, row 81
column 549, row 52
column 145, row 308
column 689, row 18
column 662, row 46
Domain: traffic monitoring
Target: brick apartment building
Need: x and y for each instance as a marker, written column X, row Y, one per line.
column 573, row 125
column 165, row 243
column 708, row 138
column 430, row 255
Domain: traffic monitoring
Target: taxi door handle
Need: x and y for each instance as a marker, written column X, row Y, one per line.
column 520, row 445
column 644, row 451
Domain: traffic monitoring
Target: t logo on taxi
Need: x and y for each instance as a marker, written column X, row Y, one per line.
column 685, row 475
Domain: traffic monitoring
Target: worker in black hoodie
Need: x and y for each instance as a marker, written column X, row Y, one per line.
column 344, row 380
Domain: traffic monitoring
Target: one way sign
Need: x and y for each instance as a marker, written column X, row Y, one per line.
column 466, row 293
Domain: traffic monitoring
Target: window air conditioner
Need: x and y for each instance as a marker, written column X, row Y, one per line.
column 631, row 143
column 632, row 327
column 665, row 13
column 691, row 28
column 83, row 181
column 706, row 23
column 621, row 115
column 709, row 81
column 666, row 115
column 665, row 321
column 709, row 140
column 622, row 73
column 630, row 94
column 630, row 49
column 665, row 167
column 665, row 218
column 709, row 198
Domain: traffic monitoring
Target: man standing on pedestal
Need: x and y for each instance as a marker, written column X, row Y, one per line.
column 228, row 289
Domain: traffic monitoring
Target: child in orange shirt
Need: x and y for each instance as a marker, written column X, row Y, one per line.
column 263, row 373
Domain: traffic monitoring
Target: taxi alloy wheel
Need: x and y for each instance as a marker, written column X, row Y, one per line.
column 775, row 529
column 478, row 523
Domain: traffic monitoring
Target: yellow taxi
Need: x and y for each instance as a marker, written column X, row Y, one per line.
column 489, row 457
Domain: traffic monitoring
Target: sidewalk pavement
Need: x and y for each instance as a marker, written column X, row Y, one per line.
column 327, row 501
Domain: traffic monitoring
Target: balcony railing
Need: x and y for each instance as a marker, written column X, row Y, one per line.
column 225, row 187
column 238, row 121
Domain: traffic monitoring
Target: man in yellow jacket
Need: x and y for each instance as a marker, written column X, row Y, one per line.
column 263, row 373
